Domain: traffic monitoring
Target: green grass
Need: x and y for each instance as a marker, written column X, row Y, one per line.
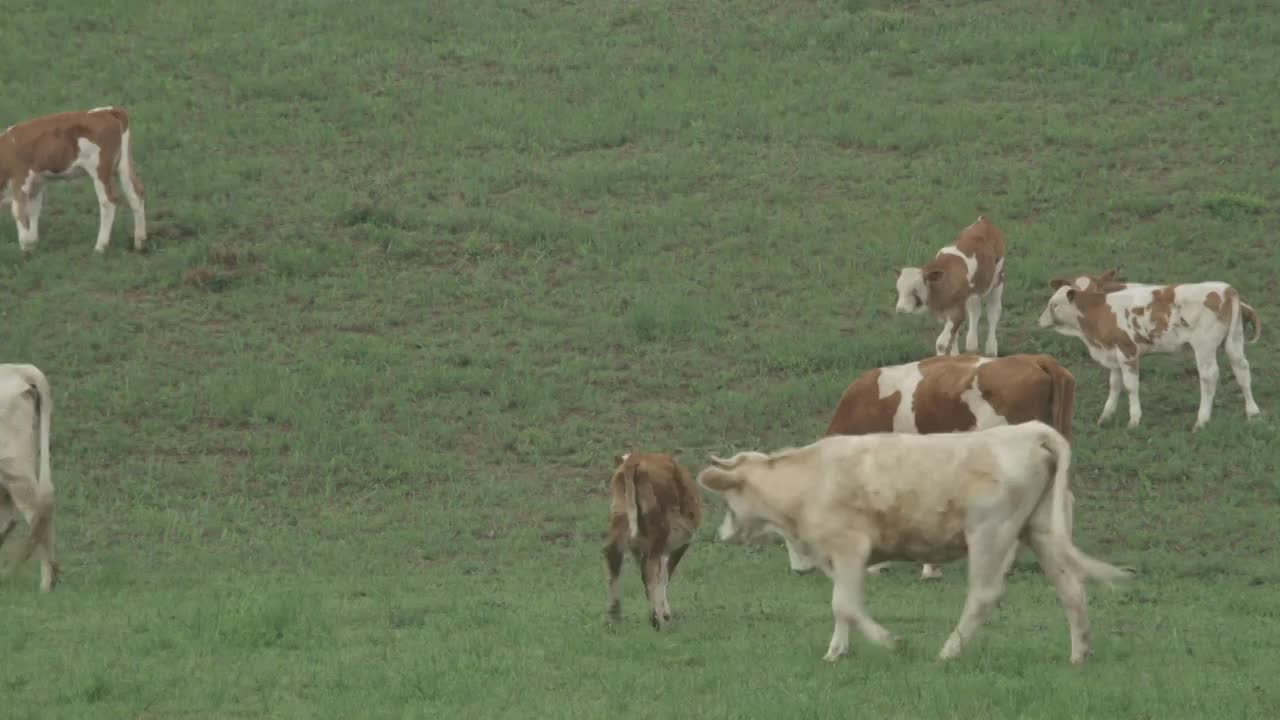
column 338, row 447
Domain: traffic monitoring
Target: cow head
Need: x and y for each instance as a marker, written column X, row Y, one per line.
column 1106, row 282
column 913, row 289
column 730, row 479
column 1062, row 314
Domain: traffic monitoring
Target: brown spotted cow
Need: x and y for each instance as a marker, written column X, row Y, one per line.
column 954, row 285
column 954, row 393
column 654, row 512
column 65, row 146
column 1121, row 322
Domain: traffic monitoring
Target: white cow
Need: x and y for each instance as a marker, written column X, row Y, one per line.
column 26, row 409
column 859, row 499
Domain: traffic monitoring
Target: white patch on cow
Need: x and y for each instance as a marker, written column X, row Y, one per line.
column 970, row 263
column 625, row 456
column 984, row 415
column 905, row 379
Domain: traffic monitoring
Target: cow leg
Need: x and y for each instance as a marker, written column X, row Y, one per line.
column 21, row 217
column 995, row 307
column 105, row 189
column 947, row 339
column 133, row 193
column 655, row 573
column 1113, row 395
column 612, row 569
column 39, row 515
column 675, row 560
column 1207, row 364
column 989, row 560
column 1070, row 589
column 8, row 517
column 1240, row 366
column 1129, row 375
column 847, row 571
column 35, row 203
column 800, row 562
column 972, row 314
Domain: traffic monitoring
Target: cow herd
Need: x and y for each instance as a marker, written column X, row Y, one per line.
column 929, row 461
column 953, row 456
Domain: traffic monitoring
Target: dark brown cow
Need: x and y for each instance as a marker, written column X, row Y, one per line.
column 62, row 147
column 654, row 512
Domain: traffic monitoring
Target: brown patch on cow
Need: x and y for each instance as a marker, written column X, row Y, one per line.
column 861, row 410
column 948, row 281
column 1221, row 307
column 1099, row 325
column 1161, row 310
column 1139, row 311
column 937, row 403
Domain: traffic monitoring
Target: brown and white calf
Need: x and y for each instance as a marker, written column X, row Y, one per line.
column 1124, row 321
column 955, row 284
column 65, row 146
column 26, row 486
column 954, row 393
column 928, row 498
column 654, row 512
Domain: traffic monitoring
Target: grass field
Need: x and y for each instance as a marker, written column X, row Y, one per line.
column 338, row 446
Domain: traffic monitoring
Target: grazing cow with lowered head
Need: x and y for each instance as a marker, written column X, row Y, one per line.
column 1121, row 324
column 26, row 486
column 955, row 283
column 654, row 511
column 859, row 499
column 954, row 393
column 62, row 147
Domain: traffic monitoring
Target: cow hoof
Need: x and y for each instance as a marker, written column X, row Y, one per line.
column 613, row 614
column 659, row 621
column 802, row 571
column 833, row 655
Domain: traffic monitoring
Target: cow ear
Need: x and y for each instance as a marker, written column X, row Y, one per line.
column 1109, row 275
column 619, row 459
column 897, row 272
column 1058, row 282
column 933, row 276
column 717, row 480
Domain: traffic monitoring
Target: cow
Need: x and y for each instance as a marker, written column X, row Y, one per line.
column 955, row 284
column 654, row 511
column 1119, row 325
column 64, row 146
column 26, row 486
column 953, row 393
column 859, row 499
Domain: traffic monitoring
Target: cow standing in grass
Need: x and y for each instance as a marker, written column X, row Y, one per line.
column 65, row 146
column 654, row 512
column 26, row 485
column 1120, row 322
column 956, row 393
column 954, row 285
column 925, row 498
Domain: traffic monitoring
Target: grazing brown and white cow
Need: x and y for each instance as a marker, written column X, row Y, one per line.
column 857, row 499
column 1120, row 324
column 26, row 486
column 954, row 284
column 954, row 393
column 654, row 511
column 64, row 146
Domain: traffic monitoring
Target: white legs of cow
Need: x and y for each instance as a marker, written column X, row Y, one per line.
column 26, row 486
column 995, row 306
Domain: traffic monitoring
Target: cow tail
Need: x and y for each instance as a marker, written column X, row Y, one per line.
column 629, row 499
column 1063, row 404
column 1083, row 564
column 1247, row 311
column 41, row 530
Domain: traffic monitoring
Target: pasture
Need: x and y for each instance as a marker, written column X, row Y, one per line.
column 339, row 444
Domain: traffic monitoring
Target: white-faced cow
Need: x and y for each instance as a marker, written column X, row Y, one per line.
column 953, row 393
column 1121, row 322
column 64, row 146
column 654, row 511
column 26, row 486
column 859, row 499
column 954, row 285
